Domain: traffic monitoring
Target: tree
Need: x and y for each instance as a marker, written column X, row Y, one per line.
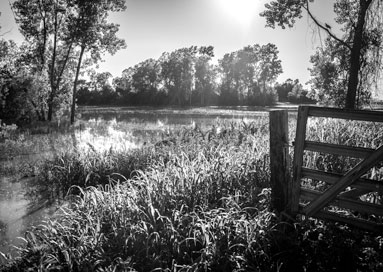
column 284, row 89
column 91, row 32
column 141, row 84
column 44, row 26
column 58, row 31
column 229, row 77
column 205, row 77
column 99, row 80
column 145, row 81
column 100, row 85
column 178, row 72
column 329, row 74
column 361, row 21
column 292, row 91
column 247, row 73
column 298, row 94
column 123, row 85
column 22, row 93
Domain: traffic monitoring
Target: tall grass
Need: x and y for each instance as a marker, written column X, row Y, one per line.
column 195, row 201
column 348, row 133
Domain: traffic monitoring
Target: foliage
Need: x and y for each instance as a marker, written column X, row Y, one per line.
column 140, row 85
column 47, row 50
column 358, row 50
column 7, row 131
column 22, row 93
column 205, row 77
column 330, row 77
column 246, row 73
column 178, row 72
column 56, row 34
column 91, row 31
column 186, row 77
column 292, row 91
column 97, row 91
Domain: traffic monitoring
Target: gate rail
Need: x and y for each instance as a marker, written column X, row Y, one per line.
column 290, row 192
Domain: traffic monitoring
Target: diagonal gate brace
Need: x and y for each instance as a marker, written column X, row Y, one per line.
column 331, row 193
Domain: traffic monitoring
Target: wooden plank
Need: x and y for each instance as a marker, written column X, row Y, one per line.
column 355, row 205
column 355, row 193
column 360, row 223
column 279, row 159
column 358, row 115
column 345, row 181
column 331, row 178
column 300, row 137
column 350, row 151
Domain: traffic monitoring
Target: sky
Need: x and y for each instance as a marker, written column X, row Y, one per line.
column 151, row 27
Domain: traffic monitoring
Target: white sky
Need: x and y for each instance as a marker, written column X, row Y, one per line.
column 151, row 27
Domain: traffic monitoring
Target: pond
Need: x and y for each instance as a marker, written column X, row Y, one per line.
column 98, row 128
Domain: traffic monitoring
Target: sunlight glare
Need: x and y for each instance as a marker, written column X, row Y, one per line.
column 241, row 11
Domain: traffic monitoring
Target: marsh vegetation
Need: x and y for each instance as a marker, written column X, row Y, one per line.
column 195, row 198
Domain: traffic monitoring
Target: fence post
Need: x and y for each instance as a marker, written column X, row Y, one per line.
column 279, row 160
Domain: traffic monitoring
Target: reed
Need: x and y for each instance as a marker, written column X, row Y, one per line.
column 198, row 200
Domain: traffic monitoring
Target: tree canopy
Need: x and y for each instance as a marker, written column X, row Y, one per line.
column 57, row 33
column 187, row 76
column 247, row 73
column 360, row 22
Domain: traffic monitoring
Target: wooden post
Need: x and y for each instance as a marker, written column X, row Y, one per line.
column 279, row 159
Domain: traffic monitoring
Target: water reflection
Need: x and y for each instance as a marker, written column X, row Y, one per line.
column 13, row 206
column 18, row 212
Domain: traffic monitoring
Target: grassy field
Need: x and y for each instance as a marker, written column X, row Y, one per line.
column 197, row 200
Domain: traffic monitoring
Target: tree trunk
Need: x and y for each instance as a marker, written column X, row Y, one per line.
column 42, row 113
column 59, row 77
column 73, row 109
column 353, row 80
column 35, row 108
column 42, row 50
column 202, row 96
column 52, row 76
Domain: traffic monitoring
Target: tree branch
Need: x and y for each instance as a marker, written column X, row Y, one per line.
column 332, row 35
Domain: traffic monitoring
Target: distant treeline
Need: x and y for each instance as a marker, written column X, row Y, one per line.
column 187, row 77
column 184, row 77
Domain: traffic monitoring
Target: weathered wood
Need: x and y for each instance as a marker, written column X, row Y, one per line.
column 341, row 202
column 331, row 178
column 300, row 137
column 351, row 176
column 359, row 186
column 279, row 159
column 358, row 115
column 360, row 223
column 355, row 193
column 350, row 151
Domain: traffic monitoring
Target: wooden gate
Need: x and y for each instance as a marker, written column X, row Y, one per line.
column 344, row 190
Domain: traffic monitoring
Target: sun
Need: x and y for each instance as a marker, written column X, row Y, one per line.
column 241, row 11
